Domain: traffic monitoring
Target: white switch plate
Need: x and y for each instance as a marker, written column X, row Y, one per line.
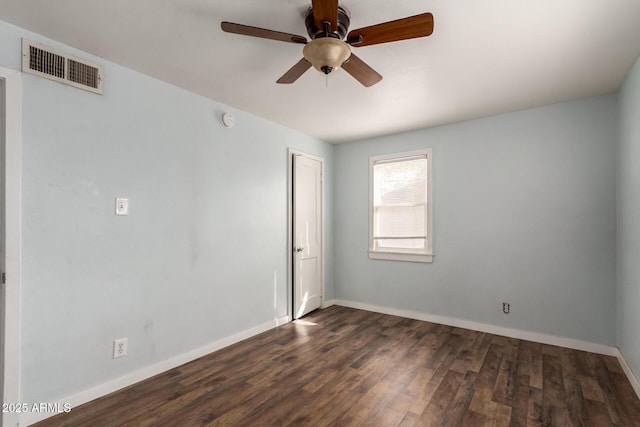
column 120, row 348
column 122, row 206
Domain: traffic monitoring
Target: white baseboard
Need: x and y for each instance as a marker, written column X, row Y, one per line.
column 483, row 327
column 633, row 378
column 149, row 371
column 328, row 303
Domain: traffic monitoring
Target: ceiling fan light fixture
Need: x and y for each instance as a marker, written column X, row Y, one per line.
column 326, row 54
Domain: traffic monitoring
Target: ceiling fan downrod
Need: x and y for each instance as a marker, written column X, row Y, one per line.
column 342, row 26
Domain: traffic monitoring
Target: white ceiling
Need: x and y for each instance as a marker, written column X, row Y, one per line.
column 483, row 58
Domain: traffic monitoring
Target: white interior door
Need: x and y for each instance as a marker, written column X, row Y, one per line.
column 307, row 235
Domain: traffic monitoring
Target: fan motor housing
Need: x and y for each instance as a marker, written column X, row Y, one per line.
column 343, row 25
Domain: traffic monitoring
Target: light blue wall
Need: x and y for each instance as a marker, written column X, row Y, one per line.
column 629, row 221
column 202, row 254
column 525, row 212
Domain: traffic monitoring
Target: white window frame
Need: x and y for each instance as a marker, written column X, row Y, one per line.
column 421, row 255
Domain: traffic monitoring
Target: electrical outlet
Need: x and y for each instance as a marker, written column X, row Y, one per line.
column 120, row 348
column 505, row 307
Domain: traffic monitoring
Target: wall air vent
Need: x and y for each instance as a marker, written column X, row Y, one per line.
column 55, row 65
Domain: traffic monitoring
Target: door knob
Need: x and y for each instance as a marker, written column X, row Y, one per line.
column 298, row 249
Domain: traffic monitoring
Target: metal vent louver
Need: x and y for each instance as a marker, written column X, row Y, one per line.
column 58, row 66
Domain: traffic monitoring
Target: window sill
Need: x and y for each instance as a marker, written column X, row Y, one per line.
column 401, row 256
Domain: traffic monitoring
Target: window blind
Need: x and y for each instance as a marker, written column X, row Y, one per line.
column 400, row 203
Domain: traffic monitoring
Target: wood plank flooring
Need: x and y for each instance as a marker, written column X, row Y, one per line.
column 341, row 366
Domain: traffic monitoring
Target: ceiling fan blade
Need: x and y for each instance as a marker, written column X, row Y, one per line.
column 246, row 30
column 325, row 10
column 295, row 72
column 400, row 29
column 361, row 71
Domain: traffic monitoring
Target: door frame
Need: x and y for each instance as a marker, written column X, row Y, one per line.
column 290, row 154
column 12, row 167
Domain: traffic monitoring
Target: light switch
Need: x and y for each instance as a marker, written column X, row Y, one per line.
column 122, row 206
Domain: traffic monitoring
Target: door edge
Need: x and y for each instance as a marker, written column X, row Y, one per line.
column 12, row 240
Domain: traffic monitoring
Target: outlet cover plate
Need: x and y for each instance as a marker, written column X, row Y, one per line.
column 120, row 348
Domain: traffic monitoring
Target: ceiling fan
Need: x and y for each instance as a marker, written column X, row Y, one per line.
column 327, row 24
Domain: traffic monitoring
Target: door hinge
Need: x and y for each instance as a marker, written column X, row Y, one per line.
column 4, row 278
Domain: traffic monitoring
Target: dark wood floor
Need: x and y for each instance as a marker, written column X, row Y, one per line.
column 349, row 367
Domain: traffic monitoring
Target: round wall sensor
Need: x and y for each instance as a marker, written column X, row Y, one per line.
column 228, row 120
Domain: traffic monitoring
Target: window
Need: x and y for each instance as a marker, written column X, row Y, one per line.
column 400, row 207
